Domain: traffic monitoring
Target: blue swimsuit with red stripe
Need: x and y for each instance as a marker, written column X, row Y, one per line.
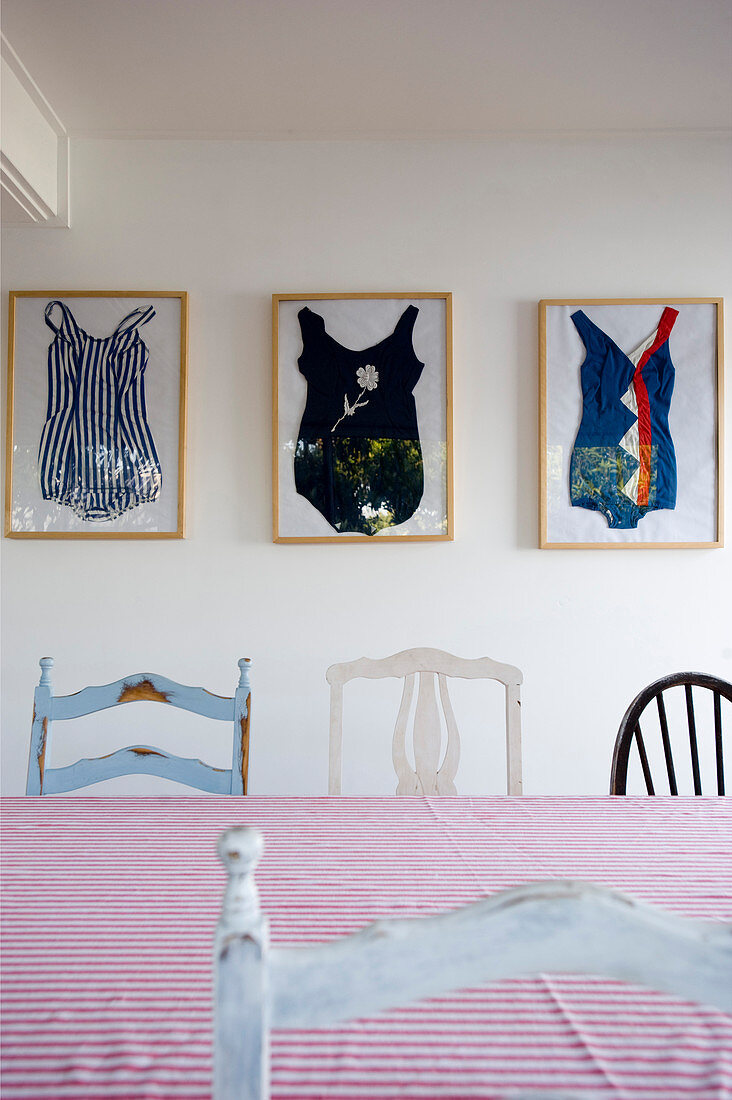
column 623, row 463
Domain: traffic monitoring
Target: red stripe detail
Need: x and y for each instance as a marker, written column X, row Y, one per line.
column 663, row 332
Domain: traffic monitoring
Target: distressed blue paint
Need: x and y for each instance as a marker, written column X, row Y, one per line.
column 42, row 702
column 140, row 759
column 133, row 761
column 92, row 699
column 242, row 714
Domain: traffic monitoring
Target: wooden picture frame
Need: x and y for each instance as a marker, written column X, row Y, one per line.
column 609, row 477
column 96, row 414
column 362, row 417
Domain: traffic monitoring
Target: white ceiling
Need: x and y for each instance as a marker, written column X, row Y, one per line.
column 376, row 68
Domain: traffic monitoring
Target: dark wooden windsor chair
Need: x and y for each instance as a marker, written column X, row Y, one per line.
column 630, row 731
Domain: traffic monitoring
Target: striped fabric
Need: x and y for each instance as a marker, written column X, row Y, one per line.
column 97, row 453
column 109, row 914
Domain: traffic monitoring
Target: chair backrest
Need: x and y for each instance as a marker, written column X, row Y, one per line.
column 630, row 731
column 559, row 926
column 432, row 666
column 139, row 759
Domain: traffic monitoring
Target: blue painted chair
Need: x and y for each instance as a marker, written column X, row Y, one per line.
column 139, row 759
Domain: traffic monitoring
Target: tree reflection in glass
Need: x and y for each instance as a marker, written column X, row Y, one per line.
column 361, row 485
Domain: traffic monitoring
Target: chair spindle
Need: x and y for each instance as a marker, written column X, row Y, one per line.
column 666, row 745
column 692, row 740
column 644, row 760
column 718, row 741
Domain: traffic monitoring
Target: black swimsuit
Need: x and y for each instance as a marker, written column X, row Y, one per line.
column 358, row 457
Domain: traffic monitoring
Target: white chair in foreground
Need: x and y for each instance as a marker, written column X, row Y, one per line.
column 560, row 926
column 433, row 666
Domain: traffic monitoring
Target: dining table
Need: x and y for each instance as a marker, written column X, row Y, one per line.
column 109, row 911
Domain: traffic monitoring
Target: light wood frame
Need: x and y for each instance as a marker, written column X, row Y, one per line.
column 546, row 381
column 406, row 297
column 179, row 356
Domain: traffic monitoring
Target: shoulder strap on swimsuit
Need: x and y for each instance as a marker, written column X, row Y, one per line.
column 667, row 322
column 310, row 323
column 584, row 326
column 405, row 325
column 134, row 320
column 67, row 328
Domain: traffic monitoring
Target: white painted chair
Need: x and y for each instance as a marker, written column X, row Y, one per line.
column 557, row 926
column 432, row 666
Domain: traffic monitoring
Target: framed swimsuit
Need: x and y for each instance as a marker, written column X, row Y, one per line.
column 96, row 414
column 362, row 433
column 631, row 422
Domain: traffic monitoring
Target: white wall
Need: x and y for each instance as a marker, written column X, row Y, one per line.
column 500, row 223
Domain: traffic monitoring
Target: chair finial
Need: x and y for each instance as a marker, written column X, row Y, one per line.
column 245, row 663
column 46, row 664
column 240, row 850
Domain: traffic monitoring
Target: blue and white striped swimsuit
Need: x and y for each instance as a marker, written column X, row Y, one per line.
column 97, row 453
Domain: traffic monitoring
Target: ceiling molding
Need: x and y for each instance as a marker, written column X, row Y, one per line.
column 34, row 154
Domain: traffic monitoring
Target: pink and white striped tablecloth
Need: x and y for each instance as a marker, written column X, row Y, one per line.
column 110, row 906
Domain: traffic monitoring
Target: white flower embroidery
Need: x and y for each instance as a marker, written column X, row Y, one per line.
column 368, row 379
